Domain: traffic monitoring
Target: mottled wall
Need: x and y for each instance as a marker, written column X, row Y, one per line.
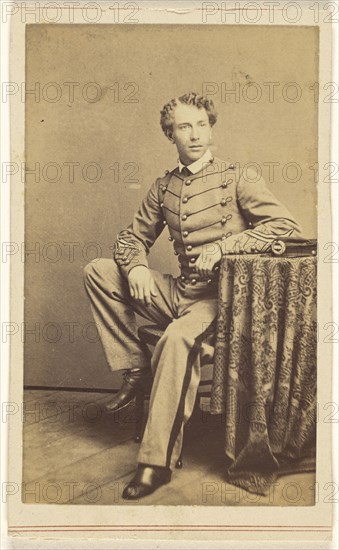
column 115, row 125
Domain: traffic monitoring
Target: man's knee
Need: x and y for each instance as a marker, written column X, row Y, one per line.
column 90, row 270
column 100, row 268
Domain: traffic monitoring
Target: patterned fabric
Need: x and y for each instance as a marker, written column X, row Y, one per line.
column 264, row 379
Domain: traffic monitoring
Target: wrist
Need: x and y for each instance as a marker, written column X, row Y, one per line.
column 135, row 266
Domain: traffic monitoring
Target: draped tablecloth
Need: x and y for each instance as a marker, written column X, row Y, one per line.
column 264, row 378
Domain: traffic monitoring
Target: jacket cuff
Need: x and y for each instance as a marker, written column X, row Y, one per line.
column 129, row 257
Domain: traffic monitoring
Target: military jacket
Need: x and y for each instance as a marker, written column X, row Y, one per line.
column 218, row 206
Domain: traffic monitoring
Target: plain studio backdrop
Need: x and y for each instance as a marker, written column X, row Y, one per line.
column 94, row 146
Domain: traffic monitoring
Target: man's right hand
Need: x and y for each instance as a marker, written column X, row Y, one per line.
column 141, row 284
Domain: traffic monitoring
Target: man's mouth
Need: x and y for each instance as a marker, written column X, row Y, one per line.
column 195, row 146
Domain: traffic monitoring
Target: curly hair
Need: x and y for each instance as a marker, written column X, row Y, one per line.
column 191, row 98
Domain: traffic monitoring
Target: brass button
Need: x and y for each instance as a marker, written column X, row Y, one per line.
column 164, row 222
column 182, row 277
column 175, row 253
column 170, row 238
column 194, row 269
column 189, row 247
column 184, row 218
column 185, row 233
column 161, row 204
column 127, row 262
column 166, row 172
column 211, row 160
column 223, row 202
column 224, row 185
column 209, row 281
column 231, row 166
column 192, row 260
column 188, row 182
column 194, row 282
column 224, row 219
column 184, row 200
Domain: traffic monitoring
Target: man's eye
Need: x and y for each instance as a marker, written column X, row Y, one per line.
column 203, row 124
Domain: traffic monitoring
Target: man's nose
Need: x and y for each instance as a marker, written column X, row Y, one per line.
column 194, row 133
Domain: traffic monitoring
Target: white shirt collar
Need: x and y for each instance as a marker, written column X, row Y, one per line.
column 197, row 165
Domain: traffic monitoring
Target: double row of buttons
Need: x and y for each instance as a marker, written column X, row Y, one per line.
column 223, row 202
column 184, row 217
column 223, row 221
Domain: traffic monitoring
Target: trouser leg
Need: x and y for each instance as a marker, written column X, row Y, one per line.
column 176, row 361
column 114, row 312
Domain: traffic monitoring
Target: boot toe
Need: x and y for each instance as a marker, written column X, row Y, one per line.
column 146, row 481
column 135, row 381
column 116, row 406
column 132, row 491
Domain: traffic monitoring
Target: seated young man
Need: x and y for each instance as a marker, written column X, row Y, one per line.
column 209, row 210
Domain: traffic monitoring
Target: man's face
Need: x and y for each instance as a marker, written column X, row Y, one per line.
column 191, row 132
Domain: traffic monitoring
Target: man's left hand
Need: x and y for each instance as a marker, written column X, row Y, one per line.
column 209, row 257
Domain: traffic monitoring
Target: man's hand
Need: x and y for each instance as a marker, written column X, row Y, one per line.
column 211, row 254
column 141, row 284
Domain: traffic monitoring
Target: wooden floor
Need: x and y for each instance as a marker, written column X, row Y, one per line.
column 74, row 453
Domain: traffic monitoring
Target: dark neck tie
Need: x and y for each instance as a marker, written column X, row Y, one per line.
column 185, row 172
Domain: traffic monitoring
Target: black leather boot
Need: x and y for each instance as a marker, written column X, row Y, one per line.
column 146, row 480
column 135, row 380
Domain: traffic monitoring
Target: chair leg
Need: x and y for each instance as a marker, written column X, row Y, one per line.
column 179, row 463
column 196, row 410
column 139, row 416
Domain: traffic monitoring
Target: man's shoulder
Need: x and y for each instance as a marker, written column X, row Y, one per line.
column 216, row 168
column 223, row 165
column 244, row 175
column 168, row 172
column 166, row 175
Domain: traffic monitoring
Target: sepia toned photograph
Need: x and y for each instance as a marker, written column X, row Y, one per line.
column 171, row 186
column 183, row 373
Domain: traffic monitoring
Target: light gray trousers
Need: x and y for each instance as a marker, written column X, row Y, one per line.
column 187, row 313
